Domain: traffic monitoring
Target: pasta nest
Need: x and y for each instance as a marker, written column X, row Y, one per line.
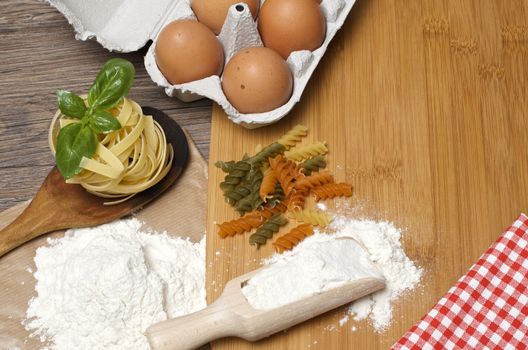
column 127, row 161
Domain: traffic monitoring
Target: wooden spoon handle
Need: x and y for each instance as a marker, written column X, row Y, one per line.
column 32, row 223
column 193, row 330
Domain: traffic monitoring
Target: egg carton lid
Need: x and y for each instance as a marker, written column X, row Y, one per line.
column 120, row 25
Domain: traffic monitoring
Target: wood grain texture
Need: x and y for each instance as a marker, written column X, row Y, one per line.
column 423, row 105
column 39, row 55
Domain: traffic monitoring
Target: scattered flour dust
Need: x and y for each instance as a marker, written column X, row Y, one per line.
column 326, row 260
column 101, row 287
column 382, row 242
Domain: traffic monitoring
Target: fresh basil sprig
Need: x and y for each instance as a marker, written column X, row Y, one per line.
column 79, row 139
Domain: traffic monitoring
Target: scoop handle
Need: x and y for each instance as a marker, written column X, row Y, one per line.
column 193, row 330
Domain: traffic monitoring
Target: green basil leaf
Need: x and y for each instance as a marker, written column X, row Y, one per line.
column 111, row 84
column 70, row 104
column 74, row 142
column 104, row 122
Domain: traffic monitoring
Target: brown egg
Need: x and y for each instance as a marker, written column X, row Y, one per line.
column 257, row 80
column 291, row 25
column 187, row 50
column 213, row 13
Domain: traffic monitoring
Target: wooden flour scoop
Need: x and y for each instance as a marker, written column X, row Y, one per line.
column 58, row 205
column 232, row 315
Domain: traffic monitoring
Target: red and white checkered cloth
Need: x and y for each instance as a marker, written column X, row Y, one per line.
column 487, row 308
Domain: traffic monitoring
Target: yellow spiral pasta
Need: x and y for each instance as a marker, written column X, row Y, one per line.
column 127, row 161
column 312, row 217
column 301, row 153
column 292, row 137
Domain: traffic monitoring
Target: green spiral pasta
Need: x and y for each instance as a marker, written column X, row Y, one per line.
column 235, row 188
column 247, row 186
column 248, row 203
column 267, row 152
column 313, row 164
column 266, row 231
column 250, row 187
column 292, row 137
column 226, row 167
column 238, row 171
column 243, row 206
column 238, row 192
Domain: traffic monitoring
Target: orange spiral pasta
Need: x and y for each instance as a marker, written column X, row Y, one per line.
column 251, row 220
column 238, row 226
column 316, row 180
column 296, row 199
column 268, row 212
column 292, row 238
column 332, row 190
column 267, row 186
column 286, row 171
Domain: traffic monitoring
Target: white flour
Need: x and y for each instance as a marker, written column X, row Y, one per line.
column 324, row 261
column 313, row 267
column 100, row 288
column 382, row 241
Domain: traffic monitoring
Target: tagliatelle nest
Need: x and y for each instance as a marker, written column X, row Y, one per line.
column 127, row 161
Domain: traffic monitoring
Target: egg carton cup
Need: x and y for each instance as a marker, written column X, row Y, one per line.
column 127, row 25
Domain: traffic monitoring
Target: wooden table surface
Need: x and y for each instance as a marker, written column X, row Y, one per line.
column 38, row 55
column 423, row 103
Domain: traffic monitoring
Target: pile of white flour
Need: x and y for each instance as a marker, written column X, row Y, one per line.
column 101, row 287
column 324, row 261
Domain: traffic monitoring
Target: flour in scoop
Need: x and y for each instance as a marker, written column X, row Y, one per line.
column 101, row 287
column 354, row 249
column 313, row 267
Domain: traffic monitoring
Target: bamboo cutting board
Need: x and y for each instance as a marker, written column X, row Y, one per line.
column 423, row 104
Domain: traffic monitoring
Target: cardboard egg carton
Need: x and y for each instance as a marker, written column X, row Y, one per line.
column 127, row 25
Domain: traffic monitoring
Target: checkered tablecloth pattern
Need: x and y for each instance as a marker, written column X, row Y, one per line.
column 487, row 308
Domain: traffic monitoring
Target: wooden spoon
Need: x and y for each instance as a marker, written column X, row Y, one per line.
column 58, row 205
column 232, row 315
